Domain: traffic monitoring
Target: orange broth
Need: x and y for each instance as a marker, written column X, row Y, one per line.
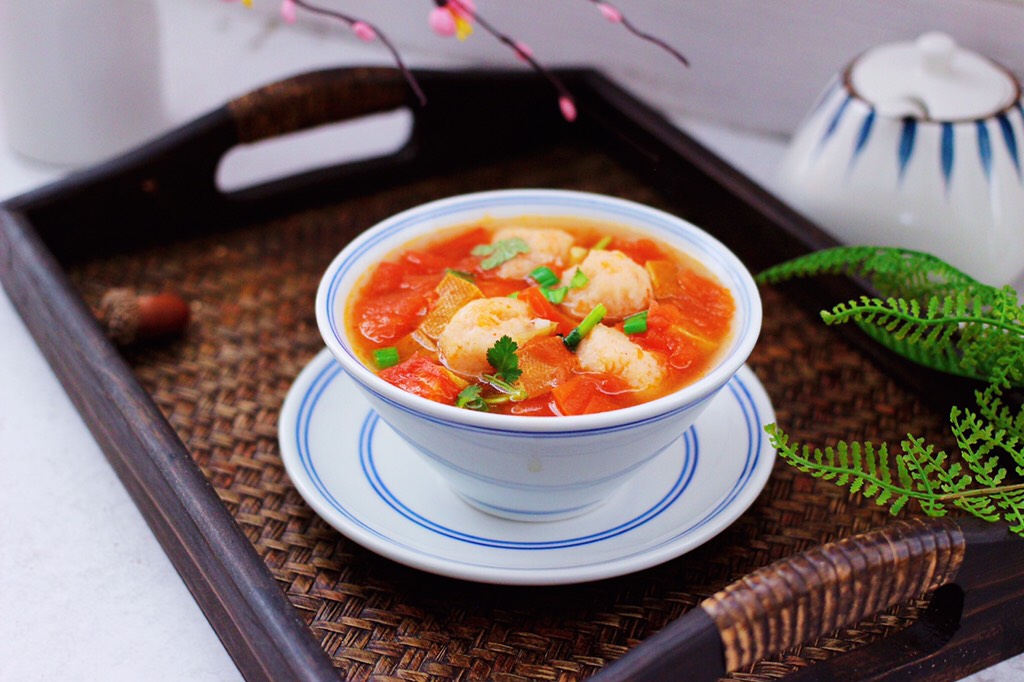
column 688, row 321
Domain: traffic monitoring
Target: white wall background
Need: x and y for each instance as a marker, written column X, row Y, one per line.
column 756, row 64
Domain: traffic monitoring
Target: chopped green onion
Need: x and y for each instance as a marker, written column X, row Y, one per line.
column 635, row 324
column 579, row 280
column 544, row 276
column 603, row 243
column 572, row 340
column 556, row 295
column 514, row 294
column 385, row 357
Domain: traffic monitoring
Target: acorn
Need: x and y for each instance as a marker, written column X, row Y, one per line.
column 128, row 317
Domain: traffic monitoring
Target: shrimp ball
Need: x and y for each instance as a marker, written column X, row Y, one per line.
column 606, row 349
column 462, row 345
column 614, row 279
column 547, row 247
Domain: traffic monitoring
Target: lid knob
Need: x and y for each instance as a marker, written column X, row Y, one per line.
column 931, row 78
column 936, row 50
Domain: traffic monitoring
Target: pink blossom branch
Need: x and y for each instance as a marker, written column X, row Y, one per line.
column 612, row 14
column 366, row 32
column 456, row 17
column 566, row 102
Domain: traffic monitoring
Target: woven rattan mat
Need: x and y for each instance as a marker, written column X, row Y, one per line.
column 253, row 330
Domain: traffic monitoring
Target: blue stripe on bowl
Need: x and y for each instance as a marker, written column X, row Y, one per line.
column 690, row 460
column 367, row 458
column 332, row 371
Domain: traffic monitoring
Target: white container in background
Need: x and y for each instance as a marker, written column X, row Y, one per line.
column 920, row 145
column 79, row 79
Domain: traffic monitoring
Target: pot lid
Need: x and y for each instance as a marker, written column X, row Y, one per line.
column 932, row 78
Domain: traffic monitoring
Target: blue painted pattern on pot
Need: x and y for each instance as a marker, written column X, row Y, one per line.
column 954, row 188
column 949, row 130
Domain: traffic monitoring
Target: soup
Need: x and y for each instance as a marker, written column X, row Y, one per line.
column 539, row 317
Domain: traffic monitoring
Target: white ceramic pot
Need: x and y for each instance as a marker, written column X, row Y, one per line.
column 917, row 145
column 79, row 79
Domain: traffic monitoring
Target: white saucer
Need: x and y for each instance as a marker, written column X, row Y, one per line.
column 364, row 480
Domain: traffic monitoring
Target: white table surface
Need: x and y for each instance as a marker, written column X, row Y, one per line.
column 87, row 593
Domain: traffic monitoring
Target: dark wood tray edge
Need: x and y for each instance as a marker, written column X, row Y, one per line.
column 258, row 626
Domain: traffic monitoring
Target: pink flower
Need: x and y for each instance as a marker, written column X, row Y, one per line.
column 364, row 31
column 610, row 13
column 442, row 22
column 288, row 11
column 454, row 17
column 568, row 108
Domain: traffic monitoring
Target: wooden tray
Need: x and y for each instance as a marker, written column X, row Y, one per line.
column 190, row 424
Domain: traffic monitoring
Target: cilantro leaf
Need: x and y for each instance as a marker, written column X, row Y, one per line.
column 500, row 251
column 471, row 399
column 502, row 357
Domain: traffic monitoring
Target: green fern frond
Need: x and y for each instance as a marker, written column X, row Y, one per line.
column 1012, row 505
column 859, row 466
column 939, row 317
column 892, row 271
column 930, row 312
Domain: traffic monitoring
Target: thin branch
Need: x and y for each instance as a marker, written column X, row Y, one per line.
column 525, row 55
column 975, row 492
column 613, row 14
column 377, row 33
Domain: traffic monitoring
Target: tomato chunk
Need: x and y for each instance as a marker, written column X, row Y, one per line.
column 591, row 393
column 545, row 363
column 545, row 309
column 391, row 316
column 425, row 378
column 670, row 332
column 709, row 307
column 640, row 250
column 498, row 286
column 387, row 277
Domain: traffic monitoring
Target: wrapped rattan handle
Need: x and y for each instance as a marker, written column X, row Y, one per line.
column 976, row 613
column 316, row 98
column 804, row 596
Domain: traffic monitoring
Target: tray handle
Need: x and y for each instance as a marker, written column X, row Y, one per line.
column 808, row 595
column 147, row 194
column 317, row 98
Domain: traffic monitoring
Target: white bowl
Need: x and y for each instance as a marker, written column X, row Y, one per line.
column 536, row 468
